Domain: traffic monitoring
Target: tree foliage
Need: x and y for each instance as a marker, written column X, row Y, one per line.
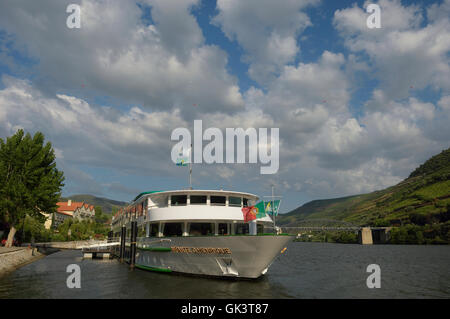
column 80, row 230
column 100, row 217
column 30, row 181
column 34, row 230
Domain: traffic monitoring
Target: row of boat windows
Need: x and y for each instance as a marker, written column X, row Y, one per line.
column 198, row 229
column 181, row 200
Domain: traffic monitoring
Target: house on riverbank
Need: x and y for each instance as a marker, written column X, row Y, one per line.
column 77, row 210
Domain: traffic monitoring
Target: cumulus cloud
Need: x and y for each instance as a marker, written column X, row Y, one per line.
column 165, row 65
column 132, row 142
column 266, row 30
column 160, row 75
column 302, row 100
column 123, row 141
column 404, row 53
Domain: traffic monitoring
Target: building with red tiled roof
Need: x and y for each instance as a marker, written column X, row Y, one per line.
column 84, row 211
column 69, row 209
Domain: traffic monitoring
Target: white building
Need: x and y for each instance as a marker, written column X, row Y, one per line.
column 69, row 209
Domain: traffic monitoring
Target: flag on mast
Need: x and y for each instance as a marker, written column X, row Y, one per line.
column 253, row 212
column 261, row 212
column 249, row 213
column 184, row 157
column 272, row 207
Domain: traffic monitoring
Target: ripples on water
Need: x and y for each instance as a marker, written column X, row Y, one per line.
column 305, row 270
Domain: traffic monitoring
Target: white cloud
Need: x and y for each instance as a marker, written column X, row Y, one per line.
column 123, row 141
column 160, row 71
column 444, row 102
column 162, row 66
column 266, row 30
column 404, row 54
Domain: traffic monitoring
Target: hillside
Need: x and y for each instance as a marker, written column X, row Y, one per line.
column 106, row 204
column 420, row 200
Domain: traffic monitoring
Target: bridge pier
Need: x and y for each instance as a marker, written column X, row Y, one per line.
column 365, row 236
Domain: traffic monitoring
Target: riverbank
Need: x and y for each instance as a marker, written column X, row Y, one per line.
column 16, row 257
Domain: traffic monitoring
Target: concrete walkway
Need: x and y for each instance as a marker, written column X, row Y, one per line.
column 4, row 250
column 70, row 244
column 14, row 257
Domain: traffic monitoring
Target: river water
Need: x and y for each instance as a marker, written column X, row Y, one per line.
column 305, row 270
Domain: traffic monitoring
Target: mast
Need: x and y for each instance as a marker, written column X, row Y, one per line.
column 190, row 167
column 273, row 214
column 271, row 200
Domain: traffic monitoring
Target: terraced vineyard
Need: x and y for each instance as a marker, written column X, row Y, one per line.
column 419, row 205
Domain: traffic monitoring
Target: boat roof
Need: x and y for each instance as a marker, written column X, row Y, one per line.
column 199, row 191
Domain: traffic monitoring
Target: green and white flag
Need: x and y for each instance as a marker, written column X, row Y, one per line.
column 272, row 207
column 184, row 157
column 260, row 207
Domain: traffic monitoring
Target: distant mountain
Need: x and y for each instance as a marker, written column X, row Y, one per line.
column 423, row 198
column 106, row 204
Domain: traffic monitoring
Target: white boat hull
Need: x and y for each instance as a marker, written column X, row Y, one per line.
column 222, row 256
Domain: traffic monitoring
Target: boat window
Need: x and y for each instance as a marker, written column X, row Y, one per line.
column 153, row 229
column 223, row 229
column 242, row 229
column 159, row 201
column 218, row 200
column 198, row 199
column 201, row 229
column 179, row 200
column 234, row 201
column 173, row 229
column 245, row 202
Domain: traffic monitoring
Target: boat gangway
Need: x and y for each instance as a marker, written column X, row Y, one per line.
column 97, row 250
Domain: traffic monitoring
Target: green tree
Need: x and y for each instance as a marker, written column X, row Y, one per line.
column 31, row 183
column 63, row 230
column 420, row 238
column 34, row 229
column 100, row 217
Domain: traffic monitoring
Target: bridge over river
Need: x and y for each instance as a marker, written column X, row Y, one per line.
column 366, row 235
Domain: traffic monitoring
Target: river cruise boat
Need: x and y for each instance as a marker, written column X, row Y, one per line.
column 200, row 232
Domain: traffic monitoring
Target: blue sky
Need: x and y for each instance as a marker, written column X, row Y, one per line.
column 358, row 109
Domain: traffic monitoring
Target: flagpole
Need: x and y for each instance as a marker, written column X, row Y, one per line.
column 273, row 214
column 190, row 168
column 271, row 201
